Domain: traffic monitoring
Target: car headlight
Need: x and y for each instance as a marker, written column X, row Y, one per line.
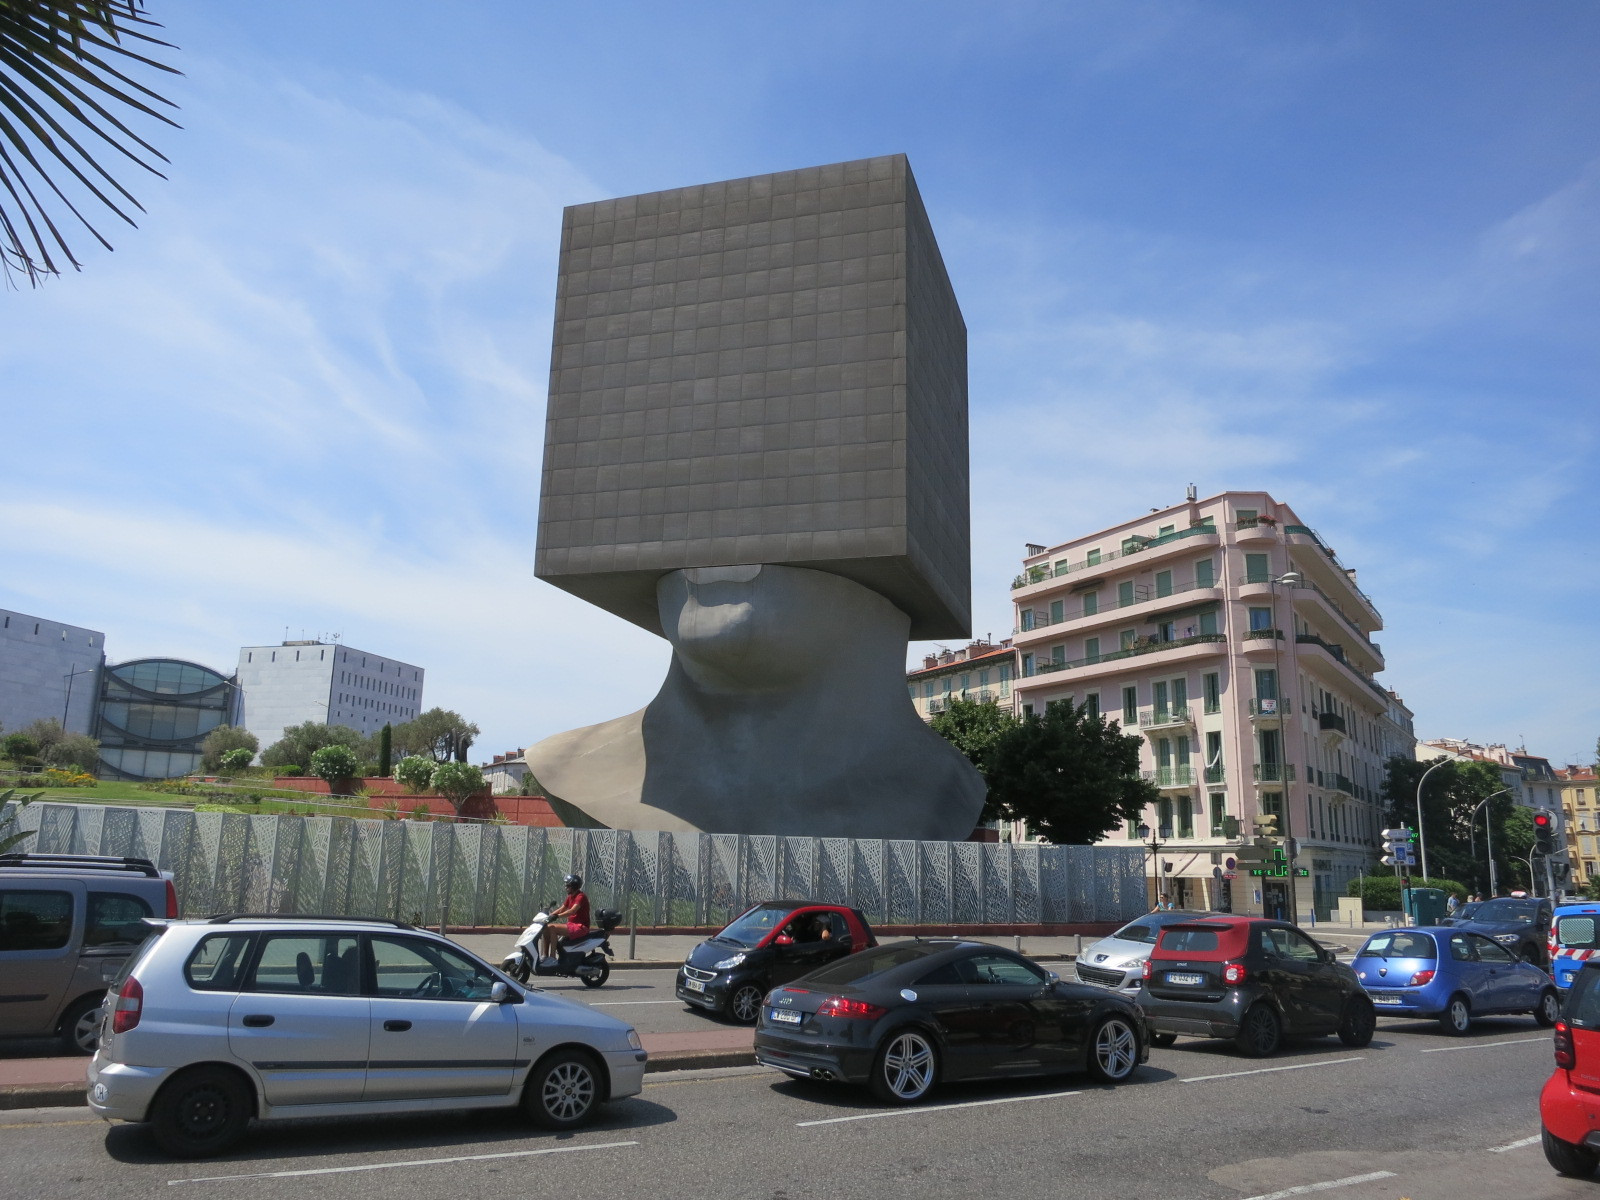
column 729, row 964
column 633, row 1039
column 1508, row 938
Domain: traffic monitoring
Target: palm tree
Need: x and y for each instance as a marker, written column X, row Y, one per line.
column 57, row 79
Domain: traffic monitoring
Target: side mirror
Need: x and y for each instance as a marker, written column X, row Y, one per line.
column 500, row 992
column 783, row 939
column 1054, row 978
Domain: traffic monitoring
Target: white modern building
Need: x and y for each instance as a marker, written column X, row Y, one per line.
column 295, row 682
column 48, row 669
column 1228, row 635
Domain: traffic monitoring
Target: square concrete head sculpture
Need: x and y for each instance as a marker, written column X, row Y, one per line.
column 758, row 404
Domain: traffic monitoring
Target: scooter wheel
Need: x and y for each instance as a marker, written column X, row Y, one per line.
column 595, row 979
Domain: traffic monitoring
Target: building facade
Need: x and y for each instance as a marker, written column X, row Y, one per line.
column 1581, row 809
column 505, row 773
column 153, row 713
column 979, row 671
column 299, row 681
column 1230, row 637
column 48, row 669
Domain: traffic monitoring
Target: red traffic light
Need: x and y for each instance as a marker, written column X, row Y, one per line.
column 1541, row 820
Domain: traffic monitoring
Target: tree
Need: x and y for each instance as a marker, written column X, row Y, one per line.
column 334, row 764
column 19, row 746
column 223, row 739
column 974, row 728
column 415, row 772
column 300, row 742
column 1450, row 797
column 1513, row 847
column 385, row 750
column 439, row 733
column 1070, row 775
column 60, row 68
column 236, row 759
column 76, row 750
column 457, row 782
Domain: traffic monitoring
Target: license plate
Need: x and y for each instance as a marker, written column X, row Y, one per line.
column 1184, row 977
column 784, row 1017
column 694, row 985
column 1387, row 1000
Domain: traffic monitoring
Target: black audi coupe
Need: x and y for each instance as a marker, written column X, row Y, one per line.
column 903, row 1017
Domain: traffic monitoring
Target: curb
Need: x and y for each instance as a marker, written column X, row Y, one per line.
column 43, row 1095
column 691, row 1060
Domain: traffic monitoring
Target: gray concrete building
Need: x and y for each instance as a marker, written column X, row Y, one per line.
column 48, row 669
column 299, row 681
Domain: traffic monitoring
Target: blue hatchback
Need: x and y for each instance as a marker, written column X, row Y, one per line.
column 1451, row 975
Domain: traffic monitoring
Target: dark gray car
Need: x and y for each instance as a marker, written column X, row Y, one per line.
column 1521, row 925
column 67, row 924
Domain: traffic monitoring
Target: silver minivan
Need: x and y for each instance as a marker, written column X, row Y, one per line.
column 67, row 924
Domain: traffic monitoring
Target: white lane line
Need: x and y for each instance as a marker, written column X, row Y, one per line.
column 936, row 1108
column 389, row 1166
column 625, row 1003
column 1516, row 1145
column 1327, row 1185
column 1326, row 1062
column 1484, row 1045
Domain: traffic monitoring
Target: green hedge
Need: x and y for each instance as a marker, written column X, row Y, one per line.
column 1382, row 892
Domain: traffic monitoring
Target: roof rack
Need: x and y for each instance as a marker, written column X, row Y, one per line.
column 225, row 918
column 100, row 862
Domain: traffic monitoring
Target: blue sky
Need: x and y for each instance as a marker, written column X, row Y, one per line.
column 1347, row 253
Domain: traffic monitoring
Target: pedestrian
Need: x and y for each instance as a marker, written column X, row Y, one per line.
column 1450, row 905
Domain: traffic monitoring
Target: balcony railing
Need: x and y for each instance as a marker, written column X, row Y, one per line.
column 1160, row 717
column 1252, row 522
column 1144, row 646
column 1333, row 721
column 1342, row 783
column 1171, row 777
column 1333, row 558
column 1216, row 774
column 1274, row 772
column 1137, row 544
column 1263, row 635
column 1267, row 709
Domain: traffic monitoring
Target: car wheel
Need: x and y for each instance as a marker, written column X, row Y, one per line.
column 80, row 1028
column 1260, row 1032
column 1113, row 1050
column 906, row 1068
column 744, row 1006
column 1358, row 1023
column 1456, row 1019
column 1163, row 1039
column 597, row 976
column 563, row 1090
column 1565, row 1157
column 201, row 1112
column 1549, row 1010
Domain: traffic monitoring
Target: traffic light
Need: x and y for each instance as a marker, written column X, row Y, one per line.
column 1544, row 840
column 1267, row 825
column 1397, row 848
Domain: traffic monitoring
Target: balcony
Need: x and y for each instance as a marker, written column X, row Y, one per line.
column 1332, row 723
column 1273, row 772
column 1261, row 641
column 1255, row 529
column 1216, row 774
column 1172, row 779
column 1163, row 718
column 1341, row 783
column 1264, row 713
column 1336, row 653
column 1135, row 544
column 1140, row 647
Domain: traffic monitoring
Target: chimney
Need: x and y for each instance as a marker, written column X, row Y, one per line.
column 929, row 661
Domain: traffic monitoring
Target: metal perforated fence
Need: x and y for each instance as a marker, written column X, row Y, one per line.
column 429, row 872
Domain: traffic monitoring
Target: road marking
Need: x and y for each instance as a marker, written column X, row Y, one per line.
column 1326, row 1062
column 1484, row 1045
column 623, row 1003
column 912, row 1112
column 389, row 1166
column 1327, row 1185
column 1516, row 1145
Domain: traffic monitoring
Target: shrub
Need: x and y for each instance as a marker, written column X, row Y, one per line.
column 415, row 772
column 457, row 782
column 56, row 777
column 19, row 746
column 390, row 810
column 291, row 770
column 236, row 759
column 1382, row 892
column 221, row 743
column 334, row 764
column 419, row 812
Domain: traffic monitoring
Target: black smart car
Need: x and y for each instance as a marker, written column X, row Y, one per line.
column 764, row 946
column 1253, row 980
column 905, row 1017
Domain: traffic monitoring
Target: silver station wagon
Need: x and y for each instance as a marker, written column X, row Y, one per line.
column 218, row 1021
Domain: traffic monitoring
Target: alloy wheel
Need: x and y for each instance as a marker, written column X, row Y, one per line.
column 86, row 1031
column 908, row 1066
column 745, row 1004
column 1261, row 1032
column 1116, row 1050
column 568, row 1091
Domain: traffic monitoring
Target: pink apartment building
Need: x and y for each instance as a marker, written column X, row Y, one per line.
column 1232, row 639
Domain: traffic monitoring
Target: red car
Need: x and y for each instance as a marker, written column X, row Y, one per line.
column 1569, row 1106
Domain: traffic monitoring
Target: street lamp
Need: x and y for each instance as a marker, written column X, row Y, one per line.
column 1155, row 848
column 1422, row 841
column 1290, row 845
column 1488, row 831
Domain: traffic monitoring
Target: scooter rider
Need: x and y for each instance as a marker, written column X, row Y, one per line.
column 575, row 908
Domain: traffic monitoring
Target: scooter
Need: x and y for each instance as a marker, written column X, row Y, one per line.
column 585, row 959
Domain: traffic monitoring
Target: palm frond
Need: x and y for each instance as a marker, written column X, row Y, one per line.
column 61, row 88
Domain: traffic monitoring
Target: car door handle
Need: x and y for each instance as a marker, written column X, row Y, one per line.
column 396, row 1026
column 258, row 1020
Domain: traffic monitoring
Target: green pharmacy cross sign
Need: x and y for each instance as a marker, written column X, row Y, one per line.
column 1277, row 867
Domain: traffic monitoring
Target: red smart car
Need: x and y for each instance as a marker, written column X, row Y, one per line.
column 1569, row 1106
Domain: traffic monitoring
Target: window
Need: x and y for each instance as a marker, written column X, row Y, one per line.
column 1185, row 818
column 1205, row 573
column 983, row 677
column 1128, row 637
column 1255, row 568
column 999, row 969
column 1211, row 688
column 1214, row 754
column 1208, row 622
column 1167, row 631
column 35, row 920
column 1163, row 583
column 1267, row 684
column 1158, row 699
column 1290, row 944
column 115, row 919
column 1057, row 612
column 1197, row 941
column 1125, row 594
column 216, row 964
column 1091, row 649
column 1058, row 654
column 927, row 689
column 1091, row 558
column 1219, row 810
column 1026, row 622
column 1272, row 806
column 1027, row 665
column 1247, row 516
column 1130, row 706
column 1183, row 750
column 423, row 970
column 308, row 964
column 1163, row 530
column 1490, row 952
column 1260, row 618
column 1092, row 703
column 1091, row 605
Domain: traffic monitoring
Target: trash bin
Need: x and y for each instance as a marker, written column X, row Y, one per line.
column 1425, row 906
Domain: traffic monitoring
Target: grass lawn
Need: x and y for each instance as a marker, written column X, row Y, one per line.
column 279, row 801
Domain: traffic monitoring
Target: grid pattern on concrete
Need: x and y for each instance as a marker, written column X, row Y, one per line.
column 766, row 370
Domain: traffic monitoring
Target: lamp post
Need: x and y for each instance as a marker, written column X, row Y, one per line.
column 1422, row 841
column 1290, row 845
column 1488, row 833
column 1155, row 848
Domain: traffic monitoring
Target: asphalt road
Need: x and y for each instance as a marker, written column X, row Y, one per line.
column 1414, row 1115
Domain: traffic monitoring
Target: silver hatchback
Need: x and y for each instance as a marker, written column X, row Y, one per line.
column 1117, row 962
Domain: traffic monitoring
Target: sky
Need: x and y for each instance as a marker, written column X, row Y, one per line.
column 1345, row 253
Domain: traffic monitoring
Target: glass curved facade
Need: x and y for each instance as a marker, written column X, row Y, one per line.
column 155, row 712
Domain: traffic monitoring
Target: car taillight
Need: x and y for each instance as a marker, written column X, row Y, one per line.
column 1566, row 1050
column 130, row 1003
column 1147, row 968
column 843, row 1006
column 1422, row 978
column 172, row 900
column 1233, row 974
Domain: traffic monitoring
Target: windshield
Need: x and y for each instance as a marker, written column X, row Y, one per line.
column 749, row 929
column 1398, row 945
column 1510, row 911
column 1137, row 932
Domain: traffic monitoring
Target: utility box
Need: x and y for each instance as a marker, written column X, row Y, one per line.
column 1425, row 906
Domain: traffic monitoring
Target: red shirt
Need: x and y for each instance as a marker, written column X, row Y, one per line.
column 578, row 918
